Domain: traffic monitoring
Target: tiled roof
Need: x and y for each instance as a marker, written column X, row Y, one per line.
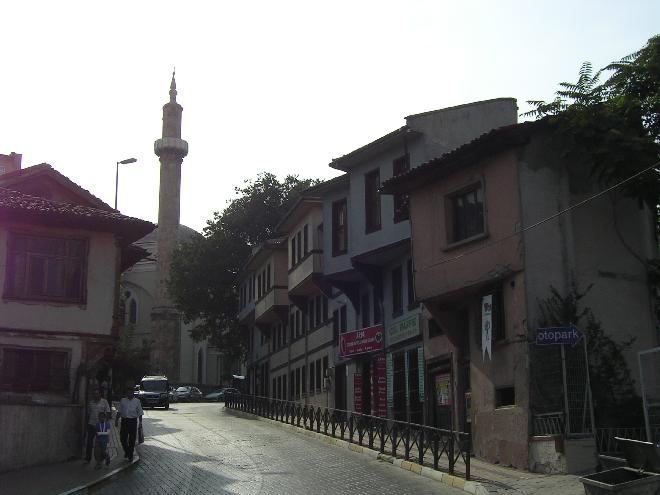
column 15, row 176
column 348, row 160
column 19, row 207
column 470, row 153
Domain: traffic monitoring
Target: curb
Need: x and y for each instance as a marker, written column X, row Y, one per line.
column 472, row 487
column 84, row 489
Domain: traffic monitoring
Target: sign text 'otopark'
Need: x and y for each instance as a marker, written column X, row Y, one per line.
column 361, row 341
column 570, row 335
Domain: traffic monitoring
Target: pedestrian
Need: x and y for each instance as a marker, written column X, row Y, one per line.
column 130, row 412
column 97, row 404
column 102, row 438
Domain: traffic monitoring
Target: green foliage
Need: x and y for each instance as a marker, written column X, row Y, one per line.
column 204, row 270
column 615, row 400
column 613, row 127
column 130, row 363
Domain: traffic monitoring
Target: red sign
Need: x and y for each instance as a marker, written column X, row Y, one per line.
column 357, row 392
column 361, row 341
column 379, row 386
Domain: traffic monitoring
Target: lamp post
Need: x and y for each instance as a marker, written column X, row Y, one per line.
column 123, row 162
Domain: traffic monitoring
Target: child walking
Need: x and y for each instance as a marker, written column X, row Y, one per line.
column 102, row 438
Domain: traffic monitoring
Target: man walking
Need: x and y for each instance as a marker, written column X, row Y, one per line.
column 130, row 411
column 97, row 405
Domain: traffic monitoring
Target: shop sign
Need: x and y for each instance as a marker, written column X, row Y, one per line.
column 420, row 369
column 379, row 386
column 403, row 330
column 390, row 381
column 357, row 392
column 361, row 341
column 443, row 390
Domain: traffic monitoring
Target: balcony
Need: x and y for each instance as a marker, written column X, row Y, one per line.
column 246, row 314
column 301, row 275
column 272, row 307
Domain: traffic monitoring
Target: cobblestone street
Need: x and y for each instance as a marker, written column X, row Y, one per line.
column 201, row 449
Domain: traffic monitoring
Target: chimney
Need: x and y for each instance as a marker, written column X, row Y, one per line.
column 9, row 163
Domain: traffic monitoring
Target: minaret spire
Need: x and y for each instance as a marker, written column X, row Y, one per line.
column 173, row 87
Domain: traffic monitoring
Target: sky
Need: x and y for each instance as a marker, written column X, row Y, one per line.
column 279, row 86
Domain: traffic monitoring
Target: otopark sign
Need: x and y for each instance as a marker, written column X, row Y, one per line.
column 570, row 335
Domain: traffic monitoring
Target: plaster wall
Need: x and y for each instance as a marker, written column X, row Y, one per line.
column 600, row 243
column 441, row 267
column 39, row 434
column 93, row 317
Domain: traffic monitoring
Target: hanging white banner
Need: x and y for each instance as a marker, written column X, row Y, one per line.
column 486, row 326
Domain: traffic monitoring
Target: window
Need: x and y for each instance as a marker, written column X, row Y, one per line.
column 34, row 370
column 293, row 251
column 325, row 308
column 377, row 312
column 312, row 378
column 132, row 311
column 274, row 389
column 297, row 383
column 299, row 328
column 364, row 310
column 372, row 201
column 467, row 214
column 397, row 296
column 46, row 268
column 325, row 366
column 303, row 375
column 313, row 322
column 305, row 240
column 411, row 284
column 335, row 324
column 401, row 201
column 505, row 396
column 318, row 308
column 343, row 320
column 284, row 387
column 339, row 227
column 318, row 374
column 259, row 286
column 268, row 277
column 298, row 246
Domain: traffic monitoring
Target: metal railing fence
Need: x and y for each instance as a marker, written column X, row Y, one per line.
column 445, row 449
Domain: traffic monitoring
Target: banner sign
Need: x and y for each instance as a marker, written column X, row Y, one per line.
column 357, row 392
column 361, row 341
column 486, row 326
column 570, row 335
column 403, row 330
column 379, row 386
column 420, row 368
column 390, row 381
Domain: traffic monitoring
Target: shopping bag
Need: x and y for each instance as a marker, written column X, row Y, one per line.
column 140, row 434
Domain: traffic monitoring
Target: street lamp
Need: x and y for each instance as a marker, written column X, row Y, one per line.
column 123, row 162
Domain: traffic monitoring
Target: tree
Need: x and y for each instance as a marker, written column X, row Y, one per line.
column 615, row 400
column 613, row 127
column 204, row 270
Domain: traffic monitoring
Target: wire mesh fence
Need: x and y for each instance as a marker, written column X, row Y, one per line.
column 649, row 370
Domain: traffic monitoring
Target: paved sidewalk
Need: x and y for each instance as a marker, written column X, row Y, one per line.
column 493, row 478
column 63, row 477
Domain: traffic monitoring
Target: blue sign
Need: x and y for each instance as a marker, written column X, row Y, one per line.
column 570, row 335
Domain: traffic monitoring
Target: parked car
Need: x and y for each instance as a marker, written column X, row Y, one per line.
column 219, row 395
column 153, row 392
column 188, row 394
column 172, row 394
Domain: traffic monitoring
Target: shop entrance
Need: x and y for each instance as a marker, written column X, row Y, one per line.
column 340, row 387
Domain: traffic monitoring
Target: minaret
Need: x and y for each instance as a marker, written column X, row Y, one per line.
column 165, row 320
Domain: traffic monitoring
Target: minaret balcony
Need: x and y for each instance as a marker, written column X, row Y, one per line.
column 171, row 145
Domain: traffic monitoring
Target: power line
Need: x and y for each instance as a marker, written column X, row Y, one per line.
column 551, row 217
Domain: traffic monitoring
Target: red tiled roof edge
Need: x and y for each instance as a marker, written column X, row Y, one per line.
column 492, row 141
column 15, row 205
column 58, row 176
